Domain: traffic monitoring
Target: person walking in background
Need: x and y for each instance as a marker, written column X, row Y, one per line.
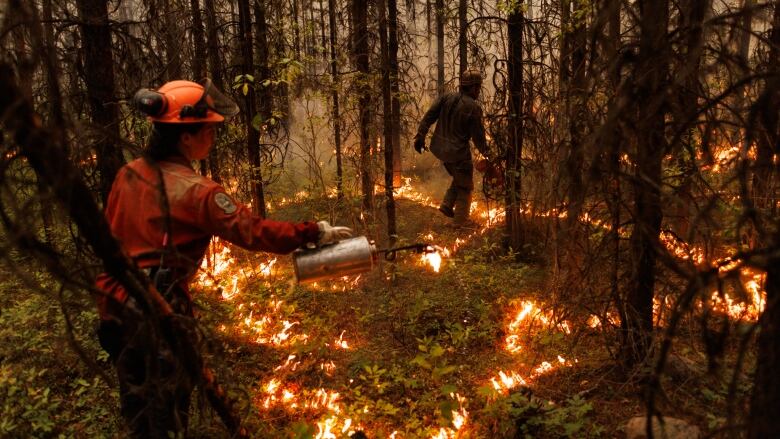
column 458, row 119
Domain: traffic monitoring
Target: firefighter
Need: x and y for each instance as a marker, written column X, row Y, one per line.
column 164, row 215
column 458, row 119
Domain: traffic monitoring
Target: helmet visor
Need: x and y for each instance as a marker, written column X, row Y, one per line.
column 217, row 101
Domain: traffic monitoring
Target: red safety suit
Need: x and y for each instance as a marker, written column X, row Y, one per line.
column 199, row 209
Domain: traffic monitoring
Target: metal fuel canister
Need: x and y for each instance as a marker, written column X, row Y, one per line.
column 344, row 258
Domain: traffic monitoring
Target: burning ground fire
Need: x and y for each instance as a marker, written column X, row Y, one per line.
column 527, row 315
column 273, row 323
column 265, row 323
column 751, row 279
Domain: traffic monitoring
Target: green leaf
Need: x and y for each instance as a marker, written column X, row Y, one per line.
column 245, row 89
column 441, row 371
column 447, row 389
column 422, row 362
column 257, row 122
column 437, row 351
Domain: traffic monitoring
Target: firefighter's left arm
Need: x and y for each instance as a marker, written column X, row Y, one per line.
column 234, row 222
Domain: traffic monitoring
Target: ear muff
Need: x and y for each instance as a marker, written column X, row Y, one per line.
column 150, row 102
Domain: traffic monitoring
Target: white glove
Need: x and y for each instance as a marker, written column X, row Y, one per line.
column 331, row 234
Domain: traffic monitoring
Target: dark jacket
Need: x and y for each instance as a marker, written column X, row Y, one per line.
column 458, row 119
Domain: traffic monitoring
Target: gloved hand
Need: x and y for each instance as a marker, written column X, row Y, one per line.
column 330, row 234
column 419, row 144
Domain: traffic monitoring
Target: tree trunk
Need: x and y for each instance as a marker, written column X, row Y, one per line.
column 323, row 38
column 99, row 79
column 265, row 96
column 215, row 71
column 199, row 42
column 334, row 75
column 514, row 151
column 650, row 76
column 395, row 90
column 296, row 29
column 360, row 55
column 576, row 112
column 613, row 146
column 573, row 88
column 199, row 55
column 387, row 119
column 768, row 137
column 56, row 114
column 252, row 135
column 463, row 48
column 764, row 418
column 440, row 15
column 172, row 41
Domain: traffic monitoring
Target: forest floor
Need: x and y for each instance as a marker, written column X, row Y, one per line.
column 473, row 350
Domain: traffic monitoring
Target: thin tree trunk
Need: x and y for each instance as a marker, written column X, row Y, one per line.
column 463, row 51
column 99, row 79
column 650, row 76
column 360, row 48
column 514, row 226
column 395, row 90
column 172, row 41
column 613, row 148
column 767, row 138
column 296, row 29
column 215, row 70
column 323, row 38
column 252, row 135
column 440, row 11
column 199, row 55
column 387, row 118
column 334, row 74
column 265, row 96
column 56, row 114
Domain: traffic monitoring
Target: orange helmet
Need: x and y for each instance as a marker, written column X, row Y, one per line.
column 185, row 102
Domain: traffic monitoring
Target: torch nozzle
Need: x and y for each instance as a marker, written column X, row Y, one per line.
column 419, row 248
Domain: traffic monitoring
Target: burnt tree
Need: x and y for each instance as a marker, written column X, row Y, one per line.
column 250, row 109
column 649, row 102
column 360, row 52
column 101, row 93
column 336, row 111
column 514, row 150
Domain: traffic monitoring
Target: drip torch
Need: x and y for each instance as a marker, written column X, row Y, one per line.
column 344, row 258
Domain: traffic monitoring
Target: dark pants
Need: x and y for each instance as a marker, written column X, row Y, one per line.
column 154, row 387
column 458, row 195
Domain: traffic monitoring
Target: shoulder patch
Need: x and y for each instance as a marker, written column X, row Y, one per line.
column 225, row 203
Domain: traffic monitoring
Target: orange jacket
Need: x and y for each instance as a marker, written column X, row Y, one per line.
column 199, row 209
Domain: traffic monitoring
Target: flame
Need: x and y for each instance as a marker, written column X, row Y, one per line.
column 265, row 267
column 434, row 257
column 752, row 279
column 341, row 343
column 407, row 191
column 459, row 419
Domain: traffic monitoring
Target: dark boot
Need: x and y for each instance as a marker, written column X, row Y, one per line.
column 447, row 203
column 462, row 207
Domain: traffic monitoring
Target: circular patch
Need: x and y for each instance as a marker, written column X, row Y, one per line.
column 225, row 203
